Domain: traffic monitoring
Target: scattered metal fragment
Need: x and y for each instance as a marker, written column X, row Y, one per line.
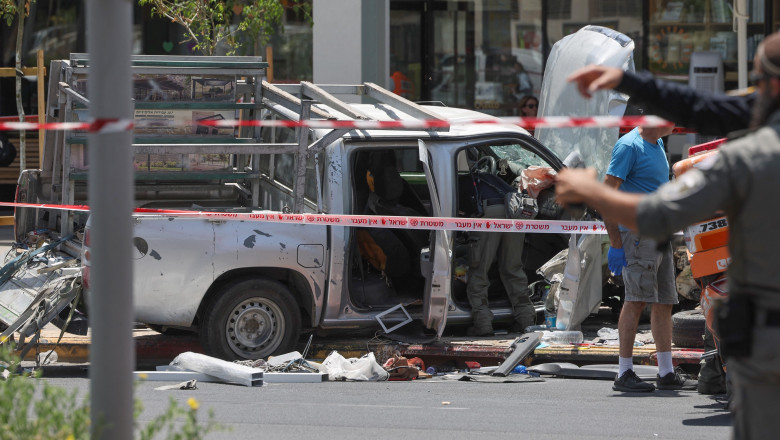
column 188, row 385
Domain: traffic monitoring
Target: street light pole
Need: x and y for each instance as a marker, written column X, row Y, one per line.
column 112, row 354
column 741, row 18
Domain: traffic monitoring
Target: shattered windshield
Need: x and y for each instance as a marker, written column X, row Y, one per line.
column 517, row 157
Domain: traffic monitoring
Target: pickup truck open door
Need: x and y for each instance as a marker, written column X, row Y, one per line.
column 437, row 286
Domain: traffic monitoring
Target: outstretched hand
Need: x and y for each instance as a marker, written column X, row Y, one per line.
column 573, row 184
column 592, row 78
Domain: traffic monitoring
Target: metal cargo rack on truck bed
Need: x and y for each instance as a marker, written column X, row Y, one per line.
column 170, row 157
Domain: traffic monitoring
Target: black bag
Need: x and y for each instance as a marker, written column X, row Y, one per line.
column 520, row 206
column 7, row 151
column 734, row 321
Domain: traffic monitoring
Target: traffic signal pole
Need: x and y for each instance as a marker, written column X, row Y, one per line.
column 110, row 186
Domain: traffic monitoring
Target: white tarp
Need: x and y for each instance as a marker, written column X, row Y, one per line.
column 589, row 45
column 579, row 293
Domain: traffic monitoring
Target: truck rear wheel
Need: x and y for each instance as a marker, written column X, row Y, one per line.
column 250, row 319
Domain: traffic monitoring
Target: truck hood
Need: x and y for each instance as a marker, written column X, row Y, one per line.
column 589, row 45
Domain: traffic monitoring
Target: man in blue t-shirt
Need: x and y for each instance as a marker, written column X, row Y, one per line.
column 639, row 165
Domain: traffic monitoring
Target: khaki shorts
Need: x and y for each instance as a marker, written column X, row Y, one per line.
column 649, row 275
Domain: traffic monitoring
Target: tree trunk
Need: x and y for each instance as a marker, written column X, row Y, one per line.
column 19, row 105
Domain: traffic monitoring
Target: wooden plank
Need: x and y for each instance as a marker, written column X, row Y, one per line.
column 6, row 72
column 269, row 57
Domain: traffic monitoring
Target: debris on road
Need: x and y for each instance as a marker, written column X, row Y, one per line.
column 399, row 368
column 598, row 371
column 188, row 385
column 521, row 347
column 364, row 368
column 166, row 373
column 47, row 357
column 227, row 371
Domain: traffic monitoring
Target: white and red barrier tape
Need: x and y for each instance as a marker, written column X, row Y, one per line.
column 98, row 125
column 368, row 221
column 115, row 125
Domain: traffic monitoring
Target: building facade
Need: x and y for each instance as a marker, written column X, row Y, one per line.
column 466, row 53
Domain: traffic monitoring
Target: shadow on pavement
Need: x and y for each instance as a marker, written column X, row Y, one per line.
column 720, row 419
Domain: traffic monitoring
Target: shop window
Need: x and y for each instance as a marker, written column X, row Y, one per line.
column 680, row 28
column 559, row 9
column 624, row 16
column 293, row 49
column 615, row 8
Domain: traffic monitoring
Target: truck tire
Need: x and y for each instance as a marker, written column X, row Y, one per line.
column 250, row 318
column 688, row 329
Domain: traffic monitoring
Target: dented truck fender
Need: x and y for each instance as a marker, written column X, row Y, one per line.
column 179, row 260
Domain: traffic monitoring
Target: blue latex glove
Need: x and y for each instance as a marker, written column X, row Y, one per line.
column 616, row 259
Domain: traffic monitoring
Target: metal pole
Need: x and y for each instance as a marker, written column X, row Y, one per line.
column 741, row 17
column 112, row 354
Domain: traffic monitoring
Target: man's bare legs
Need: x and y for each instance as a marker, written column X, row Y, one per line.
column 627, row 325
column 661, row 326
column 626, row 379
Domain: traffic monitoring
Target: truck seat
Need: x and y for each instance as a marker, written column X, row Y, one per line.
column 386, row 189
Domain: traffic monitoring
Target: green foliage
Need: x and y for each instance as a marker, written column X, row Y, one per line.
column 32, row 409
column 211, row 22
column 10, row 8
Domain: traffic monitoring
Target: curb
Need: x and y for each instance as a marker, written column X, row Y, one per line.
column 153, row 348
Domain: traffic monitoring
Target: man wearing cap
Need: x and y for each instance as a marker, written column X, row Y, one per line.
column 741, row 180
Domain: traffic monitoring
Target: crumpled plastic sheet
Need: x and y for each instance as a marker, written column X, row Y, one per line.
column 535, row 178
column 364, row 368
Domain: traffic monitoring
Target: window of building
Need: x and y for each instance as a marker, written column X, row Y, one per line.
column 679, row 30
column 293, row 49
column 624, row 16
column 559, row 9
column 614, row 8
column 485, row 55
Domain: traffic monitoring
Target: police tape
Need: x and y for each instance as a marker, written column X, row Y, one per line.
column 95, row 126
column 363, row 221
column 117, row 125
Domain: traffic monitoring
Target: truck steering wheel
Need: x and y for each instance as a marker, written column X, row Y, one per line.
column 483, row 161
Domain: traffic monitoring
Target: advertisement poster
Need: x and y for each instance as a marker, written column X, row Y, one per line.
column 177, row 88
column 181, row 122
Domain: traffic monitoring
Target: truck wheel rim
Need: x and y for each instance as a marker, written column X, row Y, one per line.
column 255, row 326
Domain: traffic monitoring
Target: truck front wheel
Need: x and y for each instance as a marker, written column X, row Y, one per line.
column 250, row 319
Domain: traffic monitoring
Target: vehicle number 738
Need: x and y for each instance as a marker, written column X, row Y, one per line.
column 709, row 226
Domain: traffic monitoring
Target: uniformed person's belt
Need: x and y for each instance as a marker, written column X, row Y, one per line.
column 491, row 202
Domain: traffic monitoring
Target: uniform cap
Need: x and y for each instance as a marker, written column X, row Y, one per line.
column 769, row 55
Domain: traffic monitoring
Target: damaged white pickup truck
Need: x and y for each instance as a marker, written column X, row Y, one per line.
column 249, row 288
